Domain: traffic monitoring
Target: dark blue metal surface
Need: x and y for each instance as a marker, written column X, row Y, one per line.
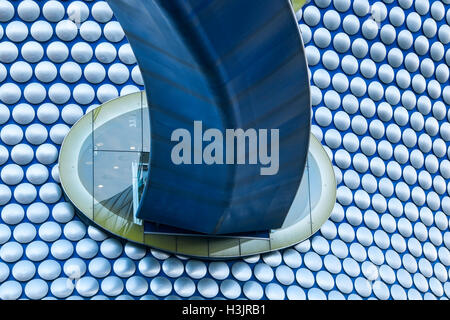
column 230, row 64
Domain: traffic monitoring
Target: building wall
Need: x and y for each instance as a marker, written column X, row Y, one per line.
column 380, row 95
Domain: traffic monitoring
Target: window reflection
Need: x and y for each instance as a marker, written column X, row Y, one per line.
column 113, row 168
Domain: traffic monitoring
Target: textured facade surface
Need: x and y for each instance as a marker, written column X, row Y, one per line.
column 380, row 95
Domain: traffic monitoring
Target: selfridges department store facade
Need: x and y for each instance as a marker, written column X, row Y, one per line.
column 380, row 95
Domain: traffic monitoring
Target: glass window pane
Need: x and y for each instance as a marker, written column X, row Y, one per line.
column 115, row 130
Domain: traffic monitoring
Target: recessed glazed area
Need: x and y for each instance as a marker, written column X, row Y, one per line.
column 103, row 170
column 109, row 163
